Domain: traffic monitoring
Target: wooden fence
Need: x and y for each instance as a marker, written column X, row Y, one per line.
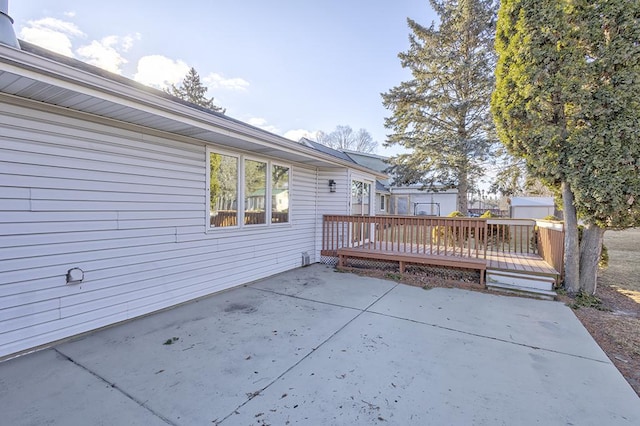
column 230, row 218
column 465, row 237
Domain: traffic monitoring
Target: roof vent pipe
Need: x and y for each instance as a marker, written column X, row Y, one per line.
column 7, row 35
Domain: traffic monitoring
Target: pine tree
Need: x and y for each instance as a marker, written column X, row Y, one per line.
column 442, row 114
column 192, row 90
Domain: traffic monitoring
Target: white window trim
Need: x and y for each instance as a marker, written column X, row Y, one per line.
column 372, row 197
column 288, row 166
column 241, row 191
column 267, row 191
column 239, row 202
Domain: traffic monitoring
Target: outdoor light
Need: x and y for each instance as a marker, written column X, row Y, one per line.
column 332, row 185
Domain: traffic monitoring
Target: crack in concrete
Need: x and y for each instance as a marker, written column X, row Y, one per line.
column 489, row 337
column 116, row 387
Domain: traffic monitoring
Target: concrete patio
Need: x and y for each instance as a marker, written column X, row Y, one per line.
column 313, row 346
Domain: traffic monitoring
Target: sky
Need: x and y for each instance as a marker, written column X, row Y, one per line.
column 291, row 67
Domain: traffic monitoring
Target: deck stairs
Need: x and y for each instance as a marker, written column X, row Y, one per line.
column 526, row 284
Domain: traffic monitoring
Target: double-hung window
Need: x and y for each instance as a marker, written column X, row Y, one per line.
column 246, row 191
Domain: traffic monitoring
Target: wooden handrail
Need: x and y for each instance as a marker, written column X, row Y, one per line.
column 460, row 237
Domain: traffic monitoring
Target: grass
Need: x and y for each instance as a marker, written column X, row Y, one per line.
column 624, row 262
column 584, row 300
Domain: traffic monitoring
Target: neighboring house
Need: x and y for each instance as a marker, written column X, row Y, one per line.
column 531, row 207
column 119, row 200
column 413, row 200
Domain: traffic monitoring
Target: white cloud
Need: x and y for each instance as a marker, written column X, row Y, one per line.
column 297, row 134
column 218, row 81
column 70, row 14
column 263, row 124
column 106, row 52
column 126, row 42
column 51, row 33
column 159, row 71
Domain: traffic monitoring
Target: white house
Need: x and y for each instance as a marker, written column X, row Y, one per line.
column 117, row 200
column 413, row 200
column 531, row 207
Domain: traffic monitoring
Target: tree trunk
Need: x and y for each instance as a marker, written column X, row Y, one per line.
column 590, row 250
column 463, row 189
column 571, row 245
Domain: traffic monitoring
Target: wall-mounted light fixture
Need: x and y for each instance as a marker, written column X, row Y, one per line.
column 75, row 276
column 332, row 185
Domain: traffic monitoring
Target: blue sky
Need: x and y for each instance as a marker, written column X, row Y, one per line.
column 292, row 67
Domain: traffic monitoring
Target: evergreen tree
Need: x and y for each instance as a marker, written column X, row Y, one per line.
column 442, row 114
column 566, row 101
column 192, row 90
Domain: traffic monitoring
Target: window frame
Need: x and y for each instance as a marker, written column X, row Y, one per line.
column 241, row 187
column 267, row 191
column 239, row 183
column 270, row 198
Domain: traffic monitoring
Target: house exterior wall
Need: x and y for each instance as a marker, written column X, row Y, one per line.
column 402, row 202
column 128, row 207
column 380, row 211
column 531, row 212
column 331, row 202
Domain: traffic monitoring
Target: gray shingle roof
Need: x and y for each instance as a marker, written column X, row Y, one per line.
column 327, row 150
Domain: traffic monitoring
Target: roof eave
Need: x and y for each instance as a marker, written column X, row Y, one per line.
column 67, row 77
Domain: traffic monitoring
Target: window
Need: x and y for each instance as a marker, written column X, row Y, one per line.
column 279, row 194
column 255, row 191
column 255, row 194
column 223, row 190
column 360, row 192
column 382, row 203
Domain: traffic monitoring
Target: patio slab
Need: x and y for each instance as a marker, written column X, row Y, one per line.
column 312, row 346
column 537, row 323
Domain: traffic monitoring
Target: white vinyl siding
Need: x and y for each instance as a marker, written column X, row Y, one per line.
column 331, row 202
column 130, row 209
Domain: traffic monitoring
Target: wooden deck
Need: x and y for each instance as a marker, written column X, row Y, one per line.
column 519, row 262
column 530, row 264
column 514, row 246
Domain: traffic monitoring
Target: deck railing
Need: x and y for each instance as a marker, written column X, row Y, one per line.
column 466, row 237
column 551, row 243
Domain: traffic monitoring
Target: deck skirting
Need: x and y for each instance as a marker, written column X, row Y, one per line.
column 414, row 258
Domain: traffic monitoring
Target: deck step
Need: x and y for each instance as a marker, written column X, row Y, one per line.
column 524, row 291
column 520, row 279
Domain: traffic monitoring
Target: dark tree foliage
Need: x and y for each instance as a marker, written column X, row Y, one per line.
column 566, row 102
column 192, row 90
